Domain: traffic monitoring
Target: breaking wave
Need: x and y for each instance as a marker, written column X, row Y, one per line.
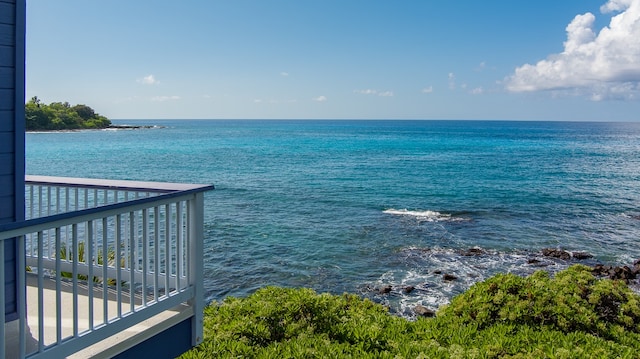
column 432, row 276
column 425, row 216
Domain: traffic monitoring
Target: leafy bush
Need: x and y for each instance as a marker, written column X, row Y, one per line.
column 574, row 300
column 66, row 254
column 572, row 315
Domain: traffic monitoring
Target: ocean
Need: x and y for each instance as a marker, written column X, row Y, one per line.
column 384, row 209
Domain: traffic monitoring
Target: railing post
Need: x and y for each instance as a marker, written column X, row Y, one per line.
column 22, row 297
column 196, row 265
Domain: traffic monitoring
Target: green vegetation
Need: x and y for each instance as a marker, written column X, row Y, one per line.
column 572, row 315
column 67, row 254
column 61, row 116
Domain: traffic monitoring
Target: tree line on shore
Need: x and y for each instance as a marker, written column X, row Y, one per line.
column 61, row 116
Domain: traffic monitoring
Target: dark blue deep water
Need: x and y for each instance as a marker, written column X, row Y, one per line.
column 358, row 205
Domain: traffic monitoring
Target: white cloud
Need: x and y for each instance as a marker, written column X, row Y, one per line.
column 320, row 98
column 366, row 92
column 374, row 92
column 615, row 5
column 477, row 91
column 148, row 80
column 603, row 65
column 427, row 89
column 452, row 81
column 164, row 98
column 285, row 74
column 274, row 101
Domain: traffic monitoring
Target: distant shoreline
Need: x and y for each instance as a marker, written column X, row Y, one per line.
column 111, row 127
column 132, row 127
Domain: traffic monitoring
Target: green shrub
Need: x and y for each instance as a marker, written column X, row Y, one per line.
column 574, row 300
column 572, row 315
column 66, row 254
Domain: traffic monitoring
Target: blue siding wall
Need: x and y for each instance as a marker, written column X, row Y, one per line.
column 171, row 343
column 12, row 30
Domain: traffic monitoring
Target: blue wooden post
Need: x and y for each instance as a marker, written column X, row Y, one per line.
column 12, row 127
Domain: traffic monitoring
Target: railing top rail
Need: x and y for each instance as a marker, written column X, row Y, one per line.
column 141, row 186
column 179, row 190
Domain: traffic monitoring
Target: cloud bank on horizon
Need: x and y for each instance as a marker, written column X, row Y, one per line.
column 602, row 66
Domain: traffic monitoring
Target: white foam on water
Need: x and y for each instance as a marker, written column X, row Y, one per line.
column 425, row 276
column 428, row 216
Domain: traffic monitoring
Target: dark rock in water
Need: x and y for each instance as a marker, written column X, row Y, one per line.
column 582, row 255
column 472, row 252
column 424, row 311
column 437, row 271
column 449, row 277
column 600, row 270
column 408, row 289
column 625, row 273
column 386, row 289
column 537, row 263
column 616, row 273
column 556, row 253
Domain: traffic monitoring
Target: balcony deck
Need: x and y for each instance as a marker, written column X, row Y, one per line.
column 139, row 242
column 106, row 348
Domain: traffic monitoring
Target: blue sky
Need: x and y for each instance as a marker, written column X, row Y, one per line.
column 339, row 59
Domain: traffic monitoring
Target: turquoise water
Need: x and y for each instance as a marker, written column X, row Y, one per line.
column 358, row 205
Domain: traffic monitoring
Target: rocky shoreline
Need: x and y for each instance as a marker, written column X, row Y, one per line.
column 545, row 257
column 133, row 127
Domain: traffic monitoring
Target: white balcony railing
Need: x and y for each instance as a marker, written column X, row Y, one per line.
column 102, row 257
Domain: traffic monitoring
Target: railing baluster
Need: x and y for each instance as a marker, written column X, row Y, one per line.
column 118, row 264
column 57, row 207
column 76, row 199
column 66, row 200
column 86, row 198
column 167, row 249
column 126, row 249
column 105, row 278
column 145, row 254
column 58, row 288
column 40, row 206
column 132, row 257
column 188, row 239
column 74, row 263
column 156, row 249
column 89, row 258
column 48, row 201
column 179, row 251
column 31, row 206
column 40, row 291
